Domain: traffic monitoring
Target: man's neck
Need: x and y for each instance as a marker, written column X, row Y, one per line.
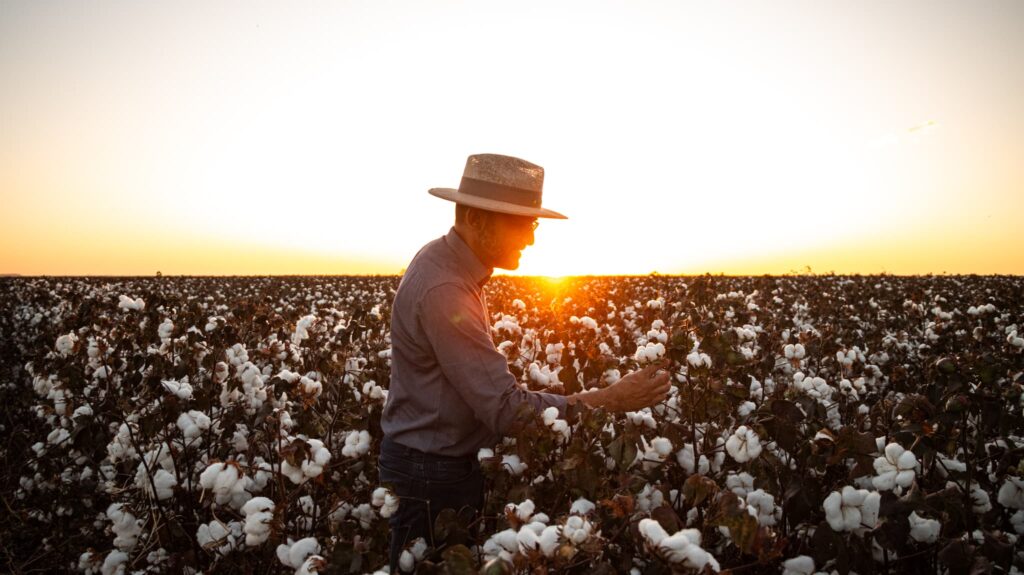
column 473, row 242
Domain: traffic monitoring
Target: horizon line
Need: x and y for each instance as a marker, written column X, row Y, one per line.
column 569, row 276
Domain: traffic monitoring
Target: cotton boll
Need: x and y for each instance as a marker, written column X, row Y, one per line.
column 800, row 565
column 697, row 359
column 415, row 552
column 164, row 481
column 386, row 500
column 258, row 512
column 193, row 423
column 746, row 408
column 652, row 532
column 182, row 389
column 302, row 329
column 845, row 510
column 357, row 444
column 364, row 514
column 582, row 506
column 895, row 467
column 312, row 564
column 66, row 343
column 294, row 553
column 508, row 540
column 577, row 529
column 869, row 510
column 1017, row 520
column 165, row 329
column 126, row 303
column 743, row 445
column 523, row 511
column 548, row 539
column 484, row 453
column 513, row 464
column 527, row 539
column 125, row 526
column 58, row 436
column 220, row 537
column 923, row 530
column 115, row 563
column 764, row 504
column 662, row 446
column 550, row 415
column 1011, row 493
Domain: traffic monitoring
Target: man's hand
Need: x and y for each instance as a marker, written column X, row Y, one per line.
column 637, row 390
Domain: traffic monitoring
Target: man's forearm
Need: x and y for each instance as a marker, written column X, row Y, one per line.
column 592, row 399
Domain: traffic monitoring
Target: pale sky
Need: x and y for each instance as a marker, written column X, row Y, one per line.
column 679, row 137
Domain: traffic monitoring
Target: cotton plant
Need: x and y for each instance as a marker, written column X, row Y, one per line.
column 310, row 467
column 740, row 483
column 258, row 513
column 546, row 375
column 556, row 425
column 180, row 389
column 896, row 467
column 577, row 529
column 743, row 445
column 799, row 565
column 923, row 529
column 155, row 474
column 654, row 453
column 649, row 498
column 1011, row 493
column 219, row 537
column 302, row 328
column 813, row 386
column 794, row 351
column 357, row 444
column 642, row 418
column 126, row 303
column 412, row 555
column 165, row 329
column 295, row 553
column 511, row 463
column 126, row 527
column 66, row 344
column 852, row 509
column 682, row 548
column 650, row 352
column 386, row 500
column 698, row 359
column 763, row 503
column 364, row 514
column 227, row 483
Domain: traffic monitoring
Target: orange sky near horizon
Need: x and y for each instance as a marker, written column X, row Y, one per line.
column 203, row 138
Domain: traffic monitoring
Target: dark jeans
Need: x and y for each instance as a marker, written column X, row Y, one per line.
column 425, row 484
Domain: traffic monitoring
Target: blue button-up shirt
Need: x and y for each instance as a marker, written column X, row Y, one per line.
column 451, row 392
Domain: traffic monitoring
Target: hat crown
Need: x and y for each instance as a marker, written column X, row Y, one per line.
column 505, row 171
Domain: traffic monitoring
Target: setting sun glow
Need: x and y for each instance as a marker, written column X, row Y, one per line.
column 683, row 137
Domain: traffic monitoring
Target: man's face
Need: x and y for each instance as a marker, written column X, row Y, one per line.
column 504, row 237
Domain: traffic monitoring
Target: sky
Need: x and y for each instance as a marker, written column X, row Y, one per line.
column 236, row 138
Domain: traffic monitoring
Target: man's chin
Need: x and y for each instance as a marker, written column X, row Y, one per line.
column 512, row 263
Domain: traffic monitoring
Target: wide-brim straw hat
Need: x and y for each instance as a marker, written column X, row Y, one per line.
column 500, row 184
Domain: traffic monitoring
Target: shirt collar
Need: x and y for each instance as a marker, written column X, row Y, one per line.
column 467, row 259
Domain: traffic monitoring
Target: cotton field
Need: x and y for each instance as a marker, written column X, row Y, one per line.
column 828, row 424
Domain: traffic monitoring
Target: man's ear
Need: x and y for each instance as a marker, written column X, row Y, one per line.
column 476, row 219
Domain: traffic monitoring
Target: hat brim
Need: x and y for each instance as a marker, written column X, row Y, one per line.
column 453, row 195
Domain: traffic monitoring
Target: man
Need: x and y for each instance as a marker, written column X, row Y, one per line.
column 451, row 392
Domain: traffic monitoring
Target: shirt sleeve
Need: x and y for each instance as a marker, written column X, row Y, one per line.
column 453, row 320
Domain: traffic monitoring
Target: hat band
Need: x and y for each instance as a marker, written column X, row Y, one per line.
column 499, row 192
